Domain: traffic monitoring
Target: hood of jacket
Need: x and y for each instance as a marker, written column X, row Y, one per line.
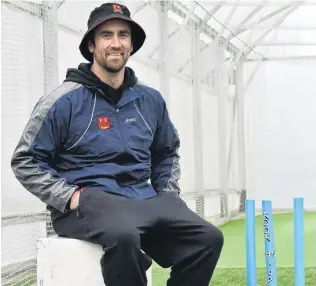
column 85, row 76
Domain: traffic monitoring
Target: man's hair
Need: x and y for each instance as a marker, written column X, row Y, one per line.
column 91, row 38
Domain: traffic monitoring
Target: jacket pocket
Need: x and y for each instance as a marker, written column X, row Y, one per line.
column 79, row 208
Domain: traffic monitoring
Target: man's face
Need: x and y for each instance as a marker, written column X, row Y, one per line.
column 113, row 45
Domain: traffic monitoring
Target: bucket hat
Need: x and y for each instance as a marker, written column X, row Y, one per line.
column 111, row 11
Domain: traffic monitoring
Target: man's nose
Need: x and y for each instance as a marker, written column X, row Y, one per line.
column 115, row 42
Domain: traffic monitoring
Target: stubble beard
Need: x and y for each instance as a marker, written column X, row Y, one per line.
column 112, row 66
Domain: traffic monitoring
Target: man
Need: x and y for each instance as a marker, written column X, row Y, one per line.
column 89, row 151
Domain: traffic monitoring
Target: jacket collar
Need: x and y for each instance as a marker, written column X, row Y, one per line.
column 129, row 95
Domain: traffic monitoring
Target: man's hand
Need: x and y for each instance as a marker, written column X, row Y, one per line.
column 74, row 201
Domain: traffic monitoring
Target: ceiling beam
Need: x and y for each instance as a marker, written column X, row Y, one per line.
column 27, row 7
column 226, row 23
column 60, row 3
column 270, row 44
column 220, row 33
column 262, row 19
column 264, row 27
column 140, row 7
column 267, row 32
column 250, row 3
column 233, row 33
column 210, row 32
column 299, row 57
column 207, row 30
column 182, row 29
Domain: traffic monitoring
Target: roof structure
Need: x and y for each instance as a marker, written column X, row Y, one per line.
column 275, row 29
column 253, row 29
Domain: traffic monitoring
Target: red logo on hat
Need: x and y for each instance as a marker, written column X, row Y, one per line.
column 117, row 8
column 104, row 122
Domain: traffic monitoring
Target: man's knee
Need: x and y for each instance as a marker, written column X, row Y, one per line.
column 213, row 237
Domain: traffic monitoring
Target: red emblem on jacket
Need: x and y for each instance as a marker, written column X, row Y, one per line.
column 104, row 122
column 117, row 8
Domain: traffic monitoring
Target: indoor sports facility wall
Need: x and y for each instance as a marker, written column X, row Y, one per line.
column 246, row 124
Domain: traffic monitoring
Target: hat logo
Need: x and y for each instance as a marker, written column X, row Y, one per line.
column 117, row 8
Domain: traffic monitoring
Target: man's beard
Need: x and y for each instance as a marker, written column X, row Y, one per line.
column 112, row 66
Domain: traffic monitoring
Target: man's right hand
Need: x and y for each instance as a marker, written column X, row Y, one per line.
column 74, row 201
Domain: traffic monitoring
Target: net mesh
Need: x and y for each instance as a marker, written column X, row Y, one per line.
column 29, row 65
column 186, row 57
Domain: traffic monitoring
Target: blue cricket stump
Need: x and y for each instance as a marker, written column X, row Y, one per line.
column 271, row 272
column 299, row 272
column 251, row 243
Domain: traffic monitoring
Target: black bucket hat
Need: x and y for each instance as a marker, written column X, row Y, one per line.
column 111, row 11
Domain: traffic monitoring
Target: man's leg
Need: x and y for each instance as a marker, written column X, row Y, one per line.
column 112, row 222
column 187, row 243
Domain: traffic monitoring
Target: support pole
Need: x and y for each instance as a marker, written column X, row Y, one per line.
column 222, row 91
column 50, row 53
column 50, row 45
column 241, row 134
column 197, row 114
column 162, row 50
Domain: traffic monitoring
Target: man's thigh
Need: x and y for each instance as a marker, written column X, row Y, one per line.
column 102, row 217
column 71, row 224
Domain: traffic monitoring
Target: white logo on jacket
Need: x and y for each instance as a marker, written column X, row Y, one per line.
column 130, row 120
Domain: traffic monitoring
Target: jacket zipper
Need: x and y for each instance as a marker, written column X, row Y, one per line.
column 119, row 125
column 117, row 119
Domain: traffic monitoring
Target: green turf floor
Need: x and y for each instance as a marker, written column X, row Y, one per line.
column 231, row 270
column 237, row 277
column 234, row 249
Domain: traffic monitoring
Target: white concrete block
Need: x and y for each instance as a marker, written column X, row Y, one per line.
column 65, row 262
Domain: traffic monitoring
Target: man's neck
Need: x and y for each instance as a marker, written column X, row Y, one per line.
column 114, row 80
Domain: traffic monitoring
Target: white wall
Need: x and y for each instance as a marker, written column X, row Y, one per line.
column 22, row 85
column 281, row 120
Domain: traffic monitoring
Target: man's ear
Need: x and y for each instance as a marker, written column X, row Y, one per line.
column 90, row 47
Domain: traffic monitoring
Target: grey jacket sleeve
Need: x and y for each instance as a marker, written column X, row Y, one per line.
column 166, row 169
column 32, row 161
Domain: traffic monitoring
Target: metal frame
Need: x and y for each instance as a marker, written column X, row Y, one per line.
column 264, row 18
column 220, row 34
column 311, row 57
column 241, row 135
column 162, row 49
column 204, row 28
column 222, row 99
column 277, row 24
column 284, row 27
column 35, row 9
column 263, row 2
column 50, row 42
column 197, row 119
column 270, row 43
column 240, row 26
column 181, row 29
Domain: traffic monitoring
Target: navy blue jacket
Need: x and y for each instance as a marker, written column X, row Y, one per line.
column 77, row 137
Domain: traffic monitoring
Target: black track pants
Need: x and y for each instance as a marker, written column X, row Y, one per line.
column 163, row 227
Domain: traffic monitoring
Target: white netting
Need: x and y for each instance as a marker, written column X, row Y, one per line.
column 200, row 73
column 28, row 72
